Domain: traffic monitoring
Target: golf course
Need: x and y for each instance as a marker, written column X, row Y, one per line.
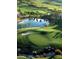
column 39, row 29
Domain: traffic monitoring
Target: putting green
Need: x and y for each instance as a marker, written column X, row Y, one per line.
column 38, row 40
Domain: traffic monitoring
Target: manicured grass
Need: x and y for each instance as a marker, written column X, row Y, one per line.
column 40, row 58
column 52, row 7
column 41, row 37
column 55, row 57
column 57, row 43
column 38, row 40
column 21, row 57
column 43, row 7
column 58, row 57
column 45, row 29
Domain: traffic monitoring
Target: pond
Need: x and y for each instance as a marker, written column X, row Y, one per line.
column 32, row 23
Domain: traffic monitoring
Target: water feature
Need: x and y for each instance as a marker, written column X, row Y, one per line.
column 32, row 23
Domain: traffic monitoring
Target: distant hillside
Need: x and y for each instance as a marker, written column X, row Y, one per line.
column 42, row 7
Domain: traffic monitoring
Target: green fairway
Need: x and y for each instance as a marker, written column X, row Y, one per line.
column 41, row 37
column 45, row 29
column 41, row 7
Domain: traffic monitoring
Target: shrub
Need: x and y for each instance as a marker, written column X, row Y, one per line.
column 43, row 33
column 58, row 52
